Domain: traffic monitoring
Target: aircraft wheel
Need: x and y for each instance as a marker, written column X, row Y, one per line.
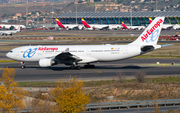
column 72, row 67
column 89, row 66
column 92, row 66
column 78, row 67
column 85, row 66
column 23, row 67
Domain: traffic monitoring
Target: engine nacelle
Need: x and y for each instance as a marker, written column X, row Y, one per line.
column 45, row 62
column 80, row 27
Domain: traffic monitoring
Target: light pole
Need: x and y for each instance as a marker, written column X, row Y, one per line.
column 131, row 10
column 131, row 14
column 52, row 5
column 76, row 13
column 95, row 7
column 26, row 12
column 156, row 5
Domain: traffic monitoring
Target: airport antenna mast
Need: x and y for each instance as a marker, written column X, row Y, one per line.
column 26, row 13
column 156, row 5
column 76, row 13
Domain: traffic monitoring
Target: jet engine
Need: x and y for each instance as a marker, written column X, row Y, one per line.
column 46, row 62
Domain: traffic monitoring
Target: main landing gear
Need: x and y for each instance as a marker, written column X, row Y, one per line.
column 75, row 66
column 22, row 65
column 89, row 66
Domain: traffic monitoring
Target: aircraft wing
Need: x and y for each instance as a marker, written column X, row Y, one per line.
column 67, row 56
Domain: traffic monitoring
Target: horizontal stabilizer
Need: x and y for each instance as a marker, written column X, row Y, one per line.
column 166, row 45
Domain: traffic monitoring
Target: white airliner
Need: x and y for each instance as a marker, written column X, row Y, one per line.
column 114, row 26
column 93, row 26
column 132, row 27
column 7, row 26
column 176, row 27
column 10, row 32
column 85, row 54
column 66, row 26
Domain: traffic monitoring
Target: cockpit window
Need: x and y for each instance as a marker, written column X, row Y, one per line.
column 10, row 51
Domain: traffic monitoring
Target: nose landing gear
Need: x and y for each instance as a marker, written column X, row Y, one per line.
column 23, row 65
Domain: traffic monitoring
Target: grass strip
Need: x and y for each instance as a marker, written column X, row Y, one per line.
column 5, row 61
column 170, row 79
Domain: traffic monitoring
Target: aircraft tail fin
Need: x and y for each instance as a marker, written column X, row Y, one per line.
column 150, row 20
column 85, row 23
column 151, row 34
column 59, row 23
column 124, row 26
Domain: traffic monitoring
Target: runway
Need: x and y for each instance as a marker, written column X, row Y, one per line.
column 105, row 70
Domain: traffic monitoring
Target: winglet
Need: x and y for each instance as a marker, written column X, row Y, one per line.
column 67, row 50
column 18, row 29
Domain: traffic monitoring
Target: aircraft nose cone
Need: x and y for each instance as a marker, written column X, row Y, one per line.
column 7, row 55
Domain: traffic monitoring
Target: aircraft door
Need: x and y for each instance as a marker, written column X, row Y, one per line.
column 88, row 52
column 17, row 53
column 125, row 50
column 40, row 53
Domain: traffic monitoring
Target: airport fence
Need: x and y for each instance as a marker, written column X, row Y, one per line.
column 119, row 105
column 132, row 104
column 60, row 38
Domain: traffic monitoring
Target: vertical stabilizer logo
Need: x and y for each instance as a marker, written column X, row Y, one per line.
column 150, row 31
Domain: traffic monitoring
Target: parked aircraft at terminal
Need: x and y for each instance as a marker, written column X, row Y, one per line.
column 8, row 26
column 66, row 26
column 93, row 26
column 132, row 27
column 176, row 26
column 85, row 54
column 10, row 32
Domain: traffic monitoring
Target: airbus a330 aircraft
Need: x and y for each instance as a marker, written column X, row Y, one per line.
column 85, row 54
column 66, row 26
column 10, row 32
column 132, row 27
column 93, row 26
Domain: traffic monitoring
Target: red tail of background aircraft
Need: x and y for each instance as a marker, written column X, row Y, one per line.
column 85, row 23
column 124, row 26
column 59, row 23
column 150, row 20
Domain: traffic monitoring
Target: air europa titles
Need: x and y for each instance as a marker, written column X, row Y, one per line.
column 150, row 31
column 47, row 48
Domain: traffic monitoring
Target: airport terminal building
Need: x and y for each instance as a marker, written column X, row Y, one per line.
column 138, row 17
